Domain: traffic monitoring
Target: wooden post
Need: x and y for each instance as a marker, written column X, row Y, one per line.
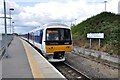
column 99, row 43
column 99, row 56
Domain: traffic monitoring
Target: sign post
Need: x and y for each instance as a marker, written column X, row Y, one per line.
column 90, row 43
column 99, row 43
column 95, row 36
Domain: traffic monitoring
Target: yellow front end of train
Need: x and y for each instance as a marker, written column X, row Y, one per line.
column 58, row 48
column 58, row 43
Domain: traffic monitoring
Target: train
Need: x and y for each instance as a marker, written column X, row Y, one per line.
column 54, row 40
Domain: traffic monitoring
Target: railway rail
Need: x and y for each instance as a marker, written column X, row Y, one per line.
column 70, row 72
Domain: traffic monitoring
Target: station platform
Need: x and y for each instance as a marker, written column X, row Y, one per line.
column 24, row 61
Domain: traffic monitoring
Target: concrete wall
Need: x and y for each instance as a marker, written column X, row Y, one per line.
column 89, row 52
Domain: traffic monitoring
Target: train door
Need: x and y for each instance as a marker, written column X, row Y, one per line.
column 42, row 42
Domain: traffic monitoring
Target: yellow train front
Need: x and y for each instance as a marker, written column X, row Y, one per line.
column 58, row 43
column 54, row 41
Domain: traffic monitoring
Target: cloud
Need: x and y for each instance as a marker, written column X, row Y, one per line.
column 112, row 6
column 52, row 11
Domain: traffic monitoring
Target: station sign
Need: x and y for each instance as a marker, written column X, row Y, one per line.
column 95, row 35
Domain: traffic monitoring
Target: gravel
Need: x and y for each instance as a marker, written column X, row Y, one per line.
column 91, row 68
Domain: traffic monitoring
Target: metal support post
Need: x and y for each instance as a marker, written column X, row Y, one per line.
column 5, row 22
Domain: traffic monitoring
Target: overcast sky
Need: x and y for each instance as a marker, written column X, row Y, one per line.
column 29, row 14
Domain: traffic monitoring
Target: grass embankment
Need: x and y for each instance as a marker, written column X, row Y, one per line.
column 105, row 22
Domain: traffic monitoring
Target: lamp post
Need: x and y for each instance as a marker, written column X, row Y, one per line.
column 13, row 27
column 11, row 9
column 105, row 4
column 75, row 21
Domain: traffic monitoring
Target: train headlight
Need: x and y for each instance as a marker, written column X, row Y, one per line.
column 67, row 46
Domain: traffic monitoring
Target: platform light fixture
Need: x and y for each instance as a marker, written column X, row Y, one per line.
column 11, row 9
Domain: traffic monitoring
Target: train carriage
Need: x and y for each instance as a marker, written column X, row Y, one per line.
column 54, row 41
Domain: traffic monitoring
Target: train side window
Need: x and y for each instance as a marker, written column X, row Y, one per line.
column 31, row 36
column 28, row 35
column 37, row 39
column 41, row 35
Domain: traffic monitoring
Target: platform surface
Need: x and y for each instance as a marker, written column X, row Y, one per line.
column 25, row 62
column 16, row 65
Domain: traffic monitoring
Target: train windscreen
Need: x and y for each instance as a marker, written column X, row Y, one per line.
column 58, row 34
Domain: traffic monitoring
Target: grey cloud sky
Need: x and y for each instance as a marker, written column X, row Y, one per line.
column 33, row 13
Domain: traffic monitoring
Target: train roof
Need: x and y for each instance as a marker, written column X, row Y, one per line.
column 35, row 30
column 51, row 25
column 56, row 24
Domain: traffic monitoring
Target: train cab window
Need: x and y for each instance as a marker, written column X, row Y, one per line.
column 58, row 34
column 52, row 35
column 65, row 34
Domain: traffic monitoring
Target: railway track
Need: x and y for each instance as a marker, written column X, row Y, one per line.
column 69, row 72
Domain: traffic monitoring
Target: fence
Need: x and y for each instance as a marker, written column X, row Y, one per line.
column 2, row 42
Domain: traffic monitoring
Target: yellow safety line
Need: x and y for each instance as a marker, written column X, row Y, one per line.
column 37, row 74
